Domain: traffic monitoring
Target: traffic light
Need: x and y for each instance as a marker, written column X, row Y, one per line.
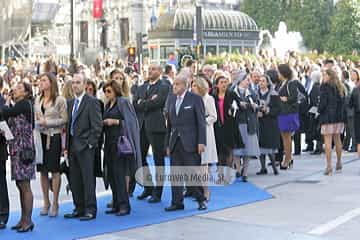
column 131, row 54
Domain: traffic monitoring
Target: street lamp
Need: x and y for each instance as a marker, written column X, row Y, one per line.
column 72, row 43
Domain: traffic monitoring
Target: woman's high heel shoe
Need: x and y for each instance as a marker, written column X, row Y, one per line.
column 45, row 211
column 291, row 164
column 338, row 167
column 328, row 171
column 284, row 166
column 54, row 211
column 26, row 229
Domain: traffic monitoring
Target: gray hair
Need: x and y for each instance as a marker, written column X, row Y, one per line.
column 315, row 76
column 183, row 78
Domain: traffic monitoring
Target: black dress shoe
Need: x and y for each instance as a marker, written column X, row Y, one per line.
column 154, row 200
column 111, row 211
column 308, row 149
column 87, row 217
column 174, row 207
column 316, row 152
column 123, row 212
column 262, row 172
column 202, row 206
column 143, row 195
column 297, row 153
column 74, row 214
column 2, row 225
column 244, row 178
column 109, row 205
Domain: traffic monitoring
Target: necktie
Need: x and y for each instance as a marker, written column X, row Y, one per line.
column 177, row 105
column 73, row 116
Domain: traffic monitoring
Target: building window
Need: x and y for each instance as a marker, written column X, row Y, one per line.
column 165, row 50
column 236, row 49
column 223, row 49
column 211, row 50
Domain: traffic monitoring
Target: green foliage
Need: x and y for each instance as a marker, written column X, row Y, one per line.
column 323, row 26
column 345, row 28
column 267, row 14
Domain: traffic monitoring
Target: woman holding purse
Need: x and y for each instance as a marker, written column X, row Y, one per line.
column 20, row 118
column 120, row 121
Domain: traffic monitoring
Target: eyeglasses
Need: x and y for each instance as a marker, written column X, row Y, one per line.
column 108, row 91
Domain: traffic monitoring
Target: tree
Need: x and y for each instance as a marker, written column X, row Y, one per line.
column 267, row 14
column 344, row 28
column 313, row 22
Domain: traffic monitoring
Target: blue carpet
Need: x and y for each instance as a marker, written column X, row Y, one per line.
column 142, row 214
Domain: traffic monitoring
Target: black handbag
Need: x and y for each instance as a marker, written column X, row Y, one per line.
column 27, row 155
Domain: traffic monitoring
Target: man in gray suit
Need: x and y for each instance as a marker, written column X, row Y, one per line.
column 186, row 138
column 83, row 132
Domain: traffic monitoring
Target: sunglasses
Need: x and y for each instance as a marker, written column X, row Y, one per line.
column 108, row 91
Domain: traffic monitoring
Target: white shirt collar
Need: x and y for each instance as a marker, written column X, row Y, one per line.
column 81, row 97
column 182, row 95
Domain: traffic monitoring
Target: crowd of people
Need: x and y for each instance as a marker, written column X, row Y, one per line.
column 100, row 121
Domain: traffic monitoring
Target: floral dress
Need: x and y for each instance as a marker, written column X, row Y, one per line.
column 22, row 130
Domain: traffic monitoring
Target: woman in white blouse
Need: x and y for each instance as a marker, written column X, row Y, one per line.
column 201, row 87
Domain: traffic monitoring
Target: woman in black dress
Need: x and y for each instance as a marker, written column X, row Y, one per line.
column 225, row 124
column 118, row 168
column 50, row 118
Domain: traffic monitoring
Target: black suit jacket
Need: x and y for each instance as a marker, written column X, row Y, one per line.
column 189, row 124
column 3, row 148
column 88, row 124
column 150, row 111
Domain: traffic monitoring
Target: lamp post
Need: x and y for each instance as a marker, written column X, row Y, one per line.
column 72, row 43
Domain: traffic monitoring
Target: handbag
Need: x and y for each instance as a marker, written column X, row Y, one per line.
column 27, row 155
column 124, row 148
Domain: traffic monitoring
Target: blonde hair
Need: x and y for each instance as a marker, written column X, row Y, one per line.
column 67, row 92
column 202, row 86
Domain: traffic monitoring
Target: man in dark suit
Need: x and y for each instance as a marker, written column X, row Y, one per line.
column 4, row 197
column 83, row 132
column 149, row 103
column 186, row 138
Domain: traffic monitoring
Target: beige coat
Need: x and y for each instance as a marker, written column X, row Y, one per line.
column 55, row 116
column 210, row 154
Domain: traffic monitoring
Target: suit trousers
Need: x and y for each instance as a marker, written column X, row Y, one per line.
column 179, row 157
column 82, row 180
column 157, row 142
column 117, row 172
column 4, row 196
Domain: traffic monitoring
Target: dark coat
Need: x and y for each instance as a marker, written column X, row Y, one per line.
column 3, row 148
column 354, row 101
column 132, row 130
column 248, row 115
column 88, row 124
column 227, row 132
column 289, row 90
column 150, row 111
column 269, row 133
column 331, row 106
column 189, row 125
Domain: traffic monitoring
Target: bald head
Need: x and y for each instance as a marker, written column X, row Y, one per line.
column 155, row 71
